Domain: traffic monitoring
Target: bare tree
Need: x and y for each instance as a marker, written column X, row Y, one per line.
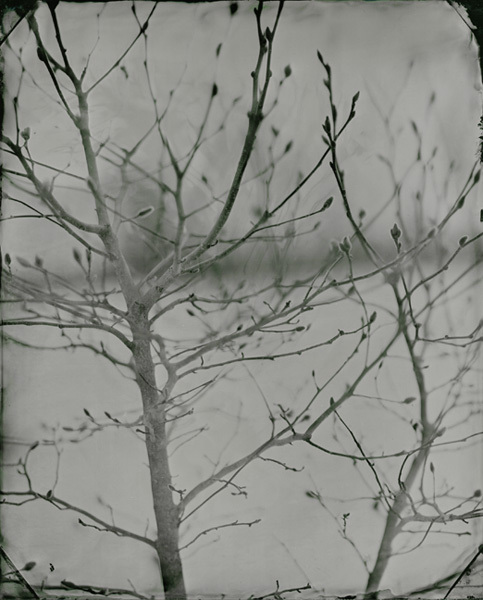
column 122, row 303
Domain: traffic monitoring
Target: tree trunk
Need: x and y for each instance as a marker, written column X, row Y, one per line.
column 165, row 510
column 392, row 524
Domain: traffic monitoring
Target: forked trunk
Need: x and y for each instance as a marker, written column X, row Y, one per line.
column 391, row 528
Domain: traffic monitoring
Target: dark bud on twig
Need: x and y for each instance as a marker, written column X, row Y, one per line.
column 26, row 134
column 311, row 494
column 328, row 203
column 38, row 262
column 8, row 259
column 77, row 256
column 144, row 212
column 268, row 35
column 29, row 566
column 373, row 317
column 463, row 240
column 288, row 147
column 41, row 54
column 287, row 71
column 218, row 48
column 233, row 8
column 395, row 232
column 214, row 90
column 353, row 106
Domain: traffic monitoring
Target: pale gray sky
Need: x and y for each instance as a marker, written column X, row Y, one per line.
column 411, row 61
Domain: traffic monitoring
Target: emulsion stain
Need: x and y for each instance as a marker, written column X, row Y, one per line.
column 474, row 9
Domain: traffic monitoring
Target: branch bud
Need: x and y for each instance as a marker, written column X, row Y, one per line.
column 41, row 54
column 396, row 234
column 26, row 134
column 345, row 246
column 144, row 212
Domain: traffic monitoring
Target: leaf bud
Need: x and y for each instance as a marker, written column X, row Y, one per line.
column 395, row 232
column 144, row 212
column 345, row 246
column 41, row 54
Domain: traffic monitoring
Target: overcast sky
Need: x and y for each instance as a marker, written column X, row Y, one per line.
column 411, row 61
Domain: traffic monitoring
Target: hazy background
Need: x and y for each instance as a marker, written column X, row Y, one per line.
column 410, row 61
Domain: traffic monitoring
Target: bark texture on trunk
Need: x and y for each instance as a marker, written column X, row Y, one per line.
column 392, row 525
column 165, row 510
